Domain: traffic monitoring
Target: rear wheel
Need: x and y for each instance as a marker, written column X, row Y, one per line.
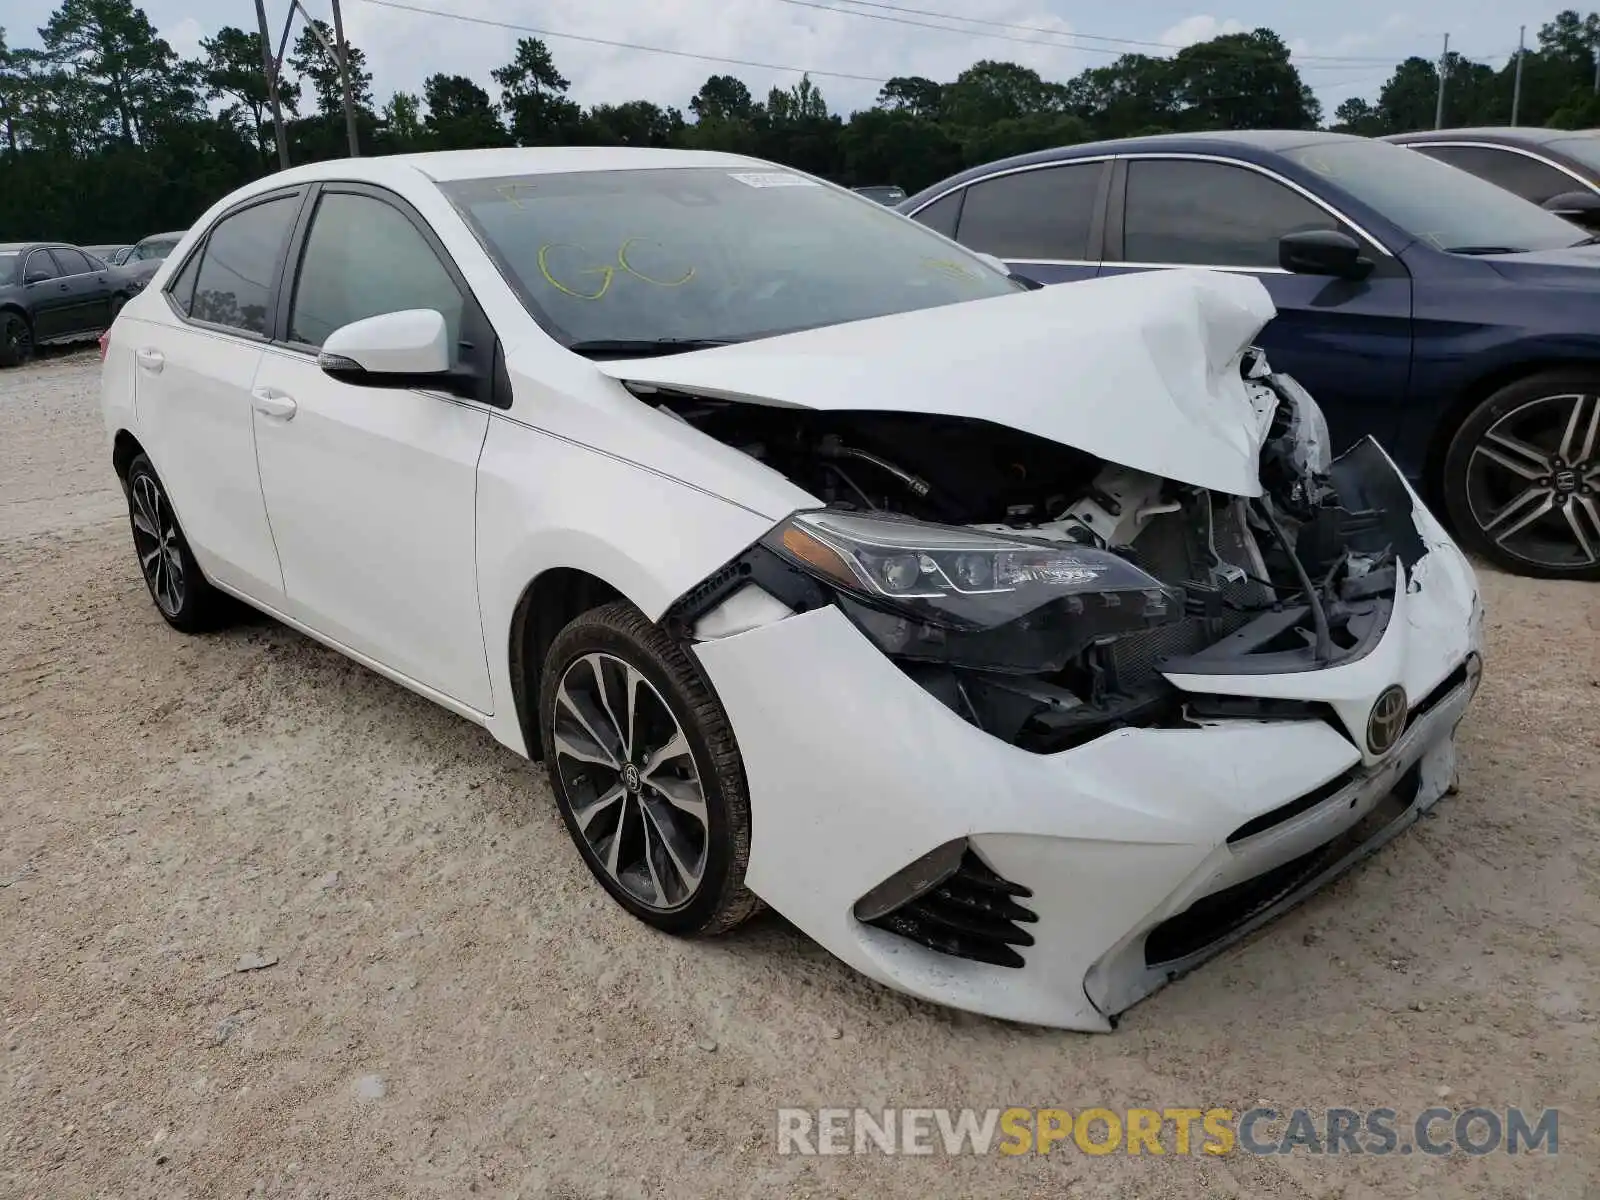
column 646, row 772
column 180, row 591
column 16, row 339
column 1522, row 477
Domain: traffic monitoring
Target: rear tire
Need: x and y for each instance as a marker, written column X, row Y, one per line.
column 1522, row 477
column 646, row 772
column 16, row 339
column 181, row 594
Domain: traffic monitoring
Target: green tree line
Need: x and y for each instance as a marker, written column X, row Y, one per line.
column 107, row 134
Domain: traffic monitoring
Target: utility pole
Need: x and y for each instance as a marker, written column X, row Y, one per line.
column 272, row 86
column 344, row 77
column 1444, row 69
column 1516, row 90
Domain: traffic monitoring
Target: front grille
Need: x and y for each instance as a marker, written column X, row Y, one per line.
column 974, row 914
column 1212, row 918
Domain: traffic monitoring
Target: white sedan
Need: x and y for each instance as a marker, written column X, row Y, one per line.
column 1023, row 647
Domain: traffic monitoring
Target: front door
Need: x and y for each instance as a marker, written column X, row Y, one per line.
column 1348, row 343
column 48, row 297
column 372, row 491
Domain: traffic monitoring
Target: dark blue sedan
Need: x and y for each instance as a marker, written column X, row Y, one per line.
column 1455, row 321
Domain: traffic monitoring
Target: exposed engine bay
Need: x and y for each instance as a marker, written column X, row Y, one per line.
column 1299, row 578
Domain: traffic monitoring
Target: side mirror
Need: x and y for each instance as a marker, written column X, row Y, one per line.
column 38, row 277
column 407, row 349
column 1580, row 207
column 1323, row 252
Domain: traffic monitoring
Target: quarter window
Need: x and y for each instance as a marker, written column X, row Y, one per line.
column 1041, row 214
column 364, row 258
column 240, row 265
column 1527, row 177
column 1210, row 214
column 940, row 216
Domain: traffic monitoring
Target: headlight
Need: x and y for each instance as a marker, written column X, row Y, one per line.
column 983, row 600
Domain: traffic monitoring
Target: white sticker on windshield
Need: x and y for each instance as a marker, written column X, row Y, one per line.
column 772, row 179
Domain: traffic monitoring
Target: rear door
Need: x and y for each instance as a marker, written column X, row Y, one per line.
column 88, row 308
column 1045, row 222
column 1348, row 342
column 195, row 372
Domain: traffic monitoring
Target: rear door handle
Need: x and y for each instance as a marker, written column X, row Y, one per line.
column 151, row 360
column 270, row 403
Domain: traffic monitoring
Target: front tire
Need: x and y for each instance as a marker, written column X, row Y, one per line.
column 1522, row 477
column 646, row 772
column 181, row 594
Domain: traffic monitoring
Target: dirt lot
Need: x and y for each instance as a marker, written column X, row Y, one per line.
column 452, row 1007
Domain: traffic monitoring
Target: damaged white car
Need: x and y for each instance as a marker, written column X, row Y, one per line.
column 1022, row 647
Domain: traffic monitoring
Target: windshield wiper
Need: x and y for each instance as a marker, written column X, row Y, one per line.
column 644, row 347
column 1588, row 241
column 1485, row 250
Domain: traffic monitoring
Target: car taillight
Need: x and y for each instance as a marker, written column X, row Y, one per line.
column 105, row 339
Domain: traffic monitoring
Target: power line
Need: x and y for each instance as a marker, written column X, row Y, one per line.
column 596, row 41
column 1350, row 59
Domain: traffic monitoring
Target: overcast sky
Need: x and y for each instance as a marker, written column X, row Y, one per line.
column 1366, row 36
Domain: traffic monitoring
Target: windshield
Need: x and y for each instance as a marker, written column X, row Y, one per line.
column 1583, row 147
column 708, row 253
column 1439, row 204
column 150, row 250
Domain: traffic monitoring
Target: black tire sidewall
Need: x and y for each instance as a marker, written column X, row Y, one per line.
column 1459, row 454
column 724, row 869
column 8, row 357
column 199, row 608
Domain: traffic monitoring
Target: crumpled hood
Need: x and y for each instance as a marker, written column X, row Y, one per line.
column 1573, row 267
column 1142, row 370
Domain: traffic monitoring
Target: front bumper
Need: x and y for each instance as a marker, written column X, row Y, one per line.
column 1145, row 850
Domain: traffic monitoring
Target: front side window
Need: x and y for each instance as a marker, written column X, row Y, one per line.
column 1043, row 214
column 240, row 264
column 1527, row 177
column 1209, row 214
column 708, row 253
column 364, row 258
column 70, row 261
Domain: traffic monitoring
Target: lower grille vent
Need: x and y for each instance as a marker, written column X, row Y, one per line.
column 974, row 914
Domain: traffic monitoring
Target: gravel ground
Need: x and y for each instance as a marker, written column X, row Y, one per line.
column 443, row 1003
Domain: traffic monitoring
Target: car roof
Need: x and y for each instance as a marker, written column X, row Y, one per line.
column 1269, row 141
column 1496, row 133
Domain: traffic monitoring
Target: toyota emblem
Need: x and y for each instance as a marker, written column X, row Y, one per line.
column 1387, row 720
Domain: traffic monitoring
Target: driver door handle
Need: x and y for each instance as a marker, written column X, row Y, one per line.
column 270, row 403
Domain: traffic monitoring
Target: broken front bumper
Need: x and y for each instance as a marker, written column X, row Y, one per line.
column 1141, row 852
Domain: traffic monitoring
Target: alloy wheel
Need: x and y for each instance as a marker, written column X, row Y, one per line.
column 155, row 539
column 19, row 340
column 1533, row 481
column 630, row 780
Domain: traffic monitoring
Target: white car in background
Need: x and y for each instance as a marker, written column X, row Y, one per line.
column 1022, row 647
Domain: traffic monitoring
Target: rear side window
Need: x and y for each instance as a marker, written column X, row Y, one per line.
column 364, row 258
column 1041, row 214
column 940, row 216
column 240, row 265
column 1527, row 177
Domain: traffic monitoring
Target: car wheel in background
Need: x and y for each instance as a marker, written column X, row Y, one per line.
column 180, row 591
column 646, row 772
column 16, row 339
column 1522, row 477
